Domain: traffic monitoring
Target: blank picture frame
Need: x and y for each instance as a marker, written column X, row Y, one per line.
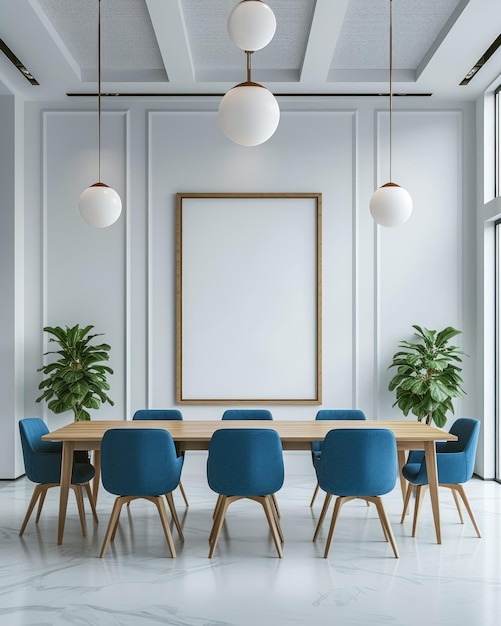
column 248, row 298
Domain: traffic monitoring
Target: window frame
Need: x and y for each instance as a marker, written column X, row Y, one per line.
column 497, row 364
column 497, row 142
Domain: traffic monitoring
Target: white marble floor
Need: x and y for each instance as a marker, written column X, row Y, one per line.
column 245, row 584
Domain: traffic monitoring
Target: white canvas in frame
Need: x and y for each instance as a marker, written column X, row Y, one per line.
column 249, row 298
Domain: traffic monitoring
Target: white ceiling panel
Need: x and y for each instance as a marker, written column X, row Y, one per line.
column 166, row 47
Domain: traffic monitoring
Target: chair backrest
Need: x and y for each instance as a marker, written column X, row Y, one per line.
column 358, row 462
column 467, row 431
column 247, row 414
column 455, row 459
column 245, row 462
column 340, row 414
column 157, row 414
column 335, row 414
column 42, row 459
column 139, row 462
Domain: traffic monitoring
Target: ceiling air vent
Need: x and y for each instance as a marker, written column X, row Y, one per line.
column 482, row 61
column 17, row 63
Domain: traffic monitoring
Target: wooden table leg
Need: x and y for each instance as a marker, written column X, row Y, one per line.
column 431, row 470
column 66, row 469
column 96, row 461
column 402, row 456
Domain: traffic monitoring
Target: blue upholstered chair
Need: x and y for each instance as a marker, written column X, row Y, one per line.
column 247, row 414
column 357, row 463
column 42, row 464
column 455, row 463
column 139, row 463
column 164, row 414
column 245, row 463
column 331, row 414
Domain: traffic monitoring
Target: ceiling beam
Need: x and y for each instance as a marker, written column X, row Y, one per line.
column 325, row 28
column 170, row 29
column 462, row 41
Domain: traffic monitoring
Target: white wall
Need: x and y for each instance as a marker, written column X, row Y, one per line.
column 376, row 282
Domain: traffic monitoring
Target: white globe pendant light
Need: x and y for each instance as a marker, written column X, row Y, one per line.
column 390, row 205
column 251, row 25
column 99, row 205
column 249, row 113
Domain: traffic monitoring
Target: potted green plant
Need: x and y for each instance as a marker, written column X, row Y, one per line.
column 76, row 380
column 428, row 375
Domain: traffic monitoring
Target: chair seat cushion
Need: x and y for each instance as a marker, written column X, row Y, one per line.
column 82, row 473
column 452, row 468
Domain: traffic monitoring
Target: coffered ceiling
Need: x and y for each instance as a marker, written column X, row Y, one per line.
column 182, row 47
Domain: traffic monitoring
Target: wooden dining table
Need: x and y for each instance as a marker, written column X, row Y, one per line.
column 294, row 434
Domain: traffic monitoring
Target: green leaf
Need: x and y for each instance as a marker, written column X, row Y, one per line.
column 445, row 335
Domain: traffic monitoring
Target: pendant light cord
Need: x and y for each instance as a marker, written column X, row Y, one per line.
column 99, row 91
column 391, row 76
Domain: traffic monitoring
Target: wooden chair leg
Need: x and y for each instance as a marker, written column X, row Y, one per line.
column 183, row 493
column 215, row 514
column 374, row 500
column 275, row 528
column 275, row 504
column 218, row 522
column 407, row 498
column 170, row 501
column 158, row 500
column 90, row 496
column 327, row 501
column 385, row 523
column 37, row 492
column 268, row 506
column 458, row 505
column 337, row 507
column 96, row 461
column 460, row 490
column 276, row 517
column 80, row 505
column 125, row 500
column 420, row 490
column 43, row 493
column 402, row 460
column 313, row 498
column 112, row 524
column 218, row 504
column 270, row 509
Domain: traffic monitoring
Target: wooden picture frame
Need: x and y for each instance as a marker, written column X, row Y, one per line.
column 248, row 298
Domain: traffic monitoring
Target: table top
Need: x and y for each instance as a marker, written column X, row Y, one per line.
column 290, row 431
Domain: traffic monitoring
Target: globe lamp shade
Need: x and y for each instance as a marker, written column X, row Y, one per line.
column 249, row 114
column 390, row 205
column 251, row 25
column 100, row 205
